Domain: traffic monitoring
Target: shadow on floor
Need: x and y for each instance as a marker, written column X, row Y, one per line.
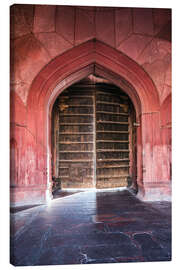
column 63, row 193
column 17, row 209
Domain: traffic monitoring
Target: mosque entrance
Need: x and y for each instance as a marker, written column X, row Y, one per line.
column 93, row 137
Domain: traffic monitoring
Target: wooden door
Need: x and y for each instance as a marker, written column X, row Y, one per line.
column 93, row 149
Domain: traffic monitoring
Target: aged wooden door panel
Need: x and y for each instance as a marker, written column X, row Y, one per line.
column 112, row 137
column 76, row 137
column 93, row 149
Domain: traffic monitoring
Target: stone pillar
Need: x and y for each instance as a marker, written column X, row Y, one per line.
column 28, row 177
column 155, row 160
column 29, row 187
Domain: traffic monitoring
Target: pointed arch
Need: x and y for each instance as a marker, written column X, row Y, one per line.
column 91, row 57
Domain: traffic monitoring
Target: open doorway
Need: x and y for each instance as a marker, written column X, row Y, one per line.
column 93, row 137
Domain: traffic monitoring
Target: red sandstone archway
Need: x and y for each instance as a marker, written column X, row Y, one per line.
column 93, row 57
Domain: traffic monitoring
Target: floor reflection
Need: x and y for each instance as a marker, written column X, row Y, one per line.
column 92, row 227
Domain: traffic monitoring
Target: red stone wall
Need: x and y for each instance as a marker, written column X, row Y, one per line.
column 40, row 33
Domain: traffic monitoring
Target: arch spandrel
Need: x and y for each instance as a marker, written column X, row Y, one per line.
column 97, row 53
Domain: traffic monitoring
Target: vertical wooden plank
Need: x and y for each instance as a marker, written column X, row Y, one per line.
column 112, row 144
column 94, row 136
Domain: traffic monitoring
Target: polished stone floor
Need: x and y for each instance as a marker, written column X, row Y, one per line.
column 92, row 227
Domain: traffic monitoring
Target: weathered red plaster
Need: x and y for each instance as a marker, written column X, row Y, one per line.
column 143, row 21
column 27, row 58
column 123, row 24
column 165, row 93
column 105, row 28
column 128, row 48
column 17, row 109
column 53, row 43
column 157, row 49
column 44, row 19
column 21, row 20
column 160, row 17
column 166, row 112
column 168, row 75
column 85, row 25
column 156, row 60
column 65, row 22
